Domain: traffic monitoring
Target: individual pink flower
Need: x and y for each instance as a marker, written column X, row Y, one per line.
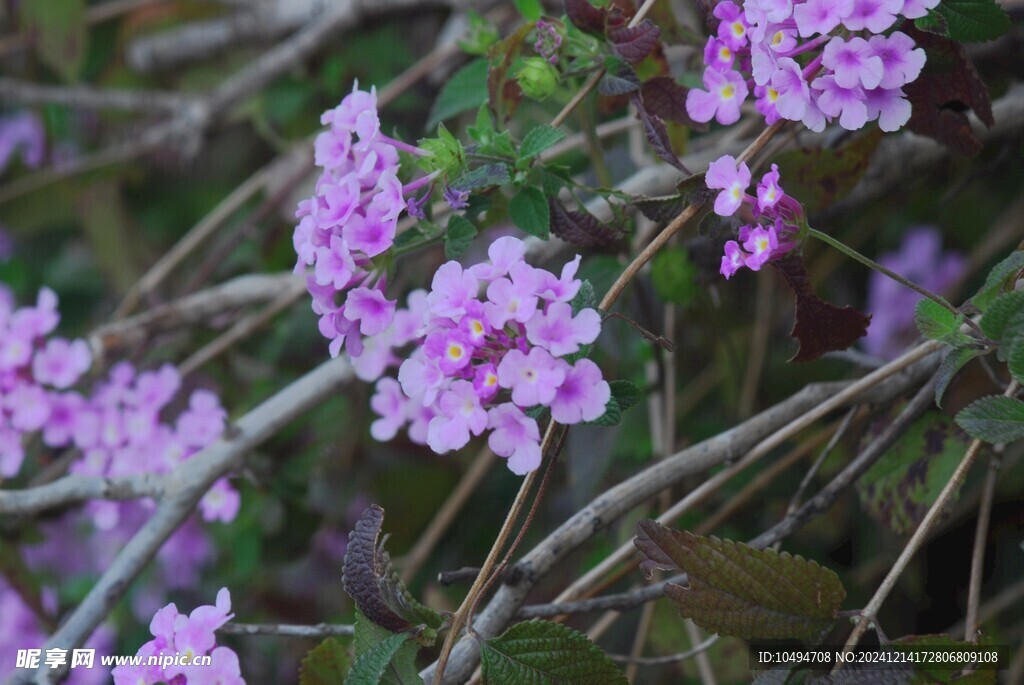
column 533, row 378
column 370, row 308
column 718, row 55
column 721, row 101
column 769, row 192
column 820, row 16
column 794, row 93
column 563, row 288
column 733, row 181
column 336, row 201
column 915, row 9
column 334, row 264
column 372, row 234
column 514, row 436
column 203, row 421
column 503, row 253
column 449, row 348
column 29, row 407
column 845, row 103
column 459, row 415
column 582, row 396
column 389, row 404
column 902, row 60
column 561, row 333
column 874, row 15
column 512, row 299
column 421, row 378
column 732, row 261
column 485, row 381
column 61, row 363
column 732, row 27
column 224, row 669
column 221, row 502
column 767, row 96
column 889, row 106
column 450, row 291
column 760, row 245
column 853, row 63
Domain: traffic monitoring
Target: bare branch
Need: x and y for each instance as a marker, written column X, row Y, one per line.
column 320, row 630
column 88, row 97
column 76, row 489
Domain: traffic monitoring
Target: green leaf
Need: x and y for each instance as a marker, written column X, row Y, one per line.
column 1014, row 354
column 933, row 22
column 586, row 298
column 740, row 591
column 530, row 9
column 938, row 323
column 995, row 419
column 626, row 394
column 58, row 28
column 486, row 176
column 326, row 664
column 371, row 665
column 612, row 415
column 675, row 276
column 444, row 153
column 465, row 90
column 1004, row 317
column 529, row 211
column 402, row 669
column 997, row 279
column 974, row 20
column 459, row 235
column 538, row 140
column 950, row 366
column 900, row 487
column 545, row 653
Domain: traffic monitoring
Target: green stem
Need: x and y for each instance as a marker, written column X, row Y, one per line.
column 850, row 252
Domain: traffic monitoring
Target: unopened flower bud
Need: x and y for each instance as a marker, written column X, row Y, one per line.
column 537, row 78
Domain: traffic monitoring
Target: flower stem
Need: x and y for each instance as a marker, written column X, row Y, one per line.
column 866, row 261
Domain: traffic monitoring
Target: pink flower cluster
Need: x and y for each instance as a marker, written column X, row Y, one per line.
column 35, row 372
column 22, row 133
column 350, row 220
column 848, row 68
column 491, row 342
column 776, row 216
column 120, row 433
column 549, row 40
column 188, row 636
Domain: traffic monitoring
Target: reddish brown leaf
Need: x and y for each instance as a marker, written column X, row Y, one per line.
column 580, row 228
column 820, row 327
column 585, row 16
column 657, row 136
column 633, row 43
column 665, row 98
column 948, row 86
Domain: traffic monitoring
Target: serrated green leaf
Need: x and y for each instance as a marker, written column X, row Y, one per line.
column 402, row 669
column 938, row 323
column 486, row 176
column 612, row 415
column 465, row 90
column 950, row 366
column 370, row 666
column 996, row 279
column 902, row 485
column 995, row 419
column 326, row 664
column 933, row 22
column 529, row 210
column 1004, row 318
column 458, row 236
column 740, row 591
column 675, row 276
column 545, row 653
column 626, row 394
column 974, row 20
column 59, row 32
column 538, row 140
column 1014, row 354
column 586, row 298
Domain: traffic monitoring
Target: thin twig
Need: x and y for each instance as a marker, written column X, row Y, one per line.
column 988, row 493
column 663, row 660
column 318, row 631
column 76, row 489
column 794, row 502
column 870, row 612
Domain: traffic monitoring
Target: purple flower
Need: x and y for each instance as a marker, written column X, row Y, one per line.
column 583, row 395
column 915, row 9
column 732, row 27
column 61, row 363
column 503, row 253
column 794, row 93
column 334, row 264
column 722, row 99
column 22, row 132
column 769, row 192
column 485, row 381
column 873, row 15
column 902, row 60
column 533, row 378
column 390, row 404
column 718, row 55
column 456, row 199
column 203, row 422
column 845, row 103
column 512, row 300
column 336, row 201
column 450, row 348
column 372, row 233
column 420, row 378
column 733, row 259
column 459, row 415
column 890, row 107
column 221, row 502
column 516, row 437
column 765, row 104
column 370, row 308
column 723, row 174
column 760, row 245
column 853, row 63
column 450, row 291
column 820, row 16
column 561, row 333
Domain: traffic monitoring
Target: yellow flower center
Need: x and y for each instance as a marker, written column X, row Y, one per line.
column 773, row 94
column 455, row 351
column 478, row 328
column 725, row 54
column 738, row 28
column 728, row 92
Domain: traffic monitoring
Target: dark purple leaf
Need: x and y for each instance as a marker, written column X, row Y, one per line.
column 580, row 228
column 585, row 16
column 633, row 43
column 820, row 327
column 661, row 210
column 657, row 136
column 620, row 79
column 665, row 98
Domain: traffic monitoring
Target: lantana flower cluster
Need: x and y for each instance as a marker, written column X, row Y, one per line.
column 186, row 636
column 36, row 371
column 811, row 61
column 776, row 217
column 351, row 219
column 492, row 346
column 22, row 134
